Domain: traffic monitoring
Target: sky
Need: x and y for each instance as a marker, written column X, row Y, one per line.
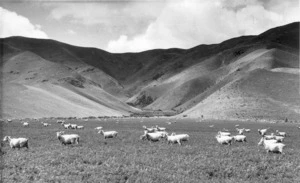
column 119, row 26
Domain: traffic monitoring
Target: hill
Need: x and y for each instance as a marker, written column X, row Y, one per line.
column 223, row 81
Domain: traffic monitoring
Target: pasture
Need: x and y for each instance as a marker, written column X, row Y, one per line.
column 129, row 159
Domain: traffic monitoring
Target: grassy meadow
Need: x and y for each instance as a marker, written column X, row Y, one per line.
column 128, row 159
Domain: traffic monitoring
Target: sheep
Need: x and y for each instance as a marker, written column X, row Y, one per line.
column 239, row 138
column 281, row 133
column 67, row 138
column 108, row 134
column 272, row 145
column 98, row 128
column 9, row 120
column 25, row 124
column 67, row 126
column 237, row 125
column 269, row 137
column 247, row 130
column 240, row 130
column 224, row 133
column 224, row 139
column 279, row 138
column 73, row 126
column 262, row 132
column 16, row 142
column 224, row 129
column 60, row 121
column 152, row 129
column 46, row 124
column 160, row 128
column 211, row 126
column 177, row 138
column 80, row 127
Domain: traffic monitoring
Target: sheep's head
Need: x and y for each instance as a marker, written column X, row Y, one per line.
column 59, row 133
column 6, row 138
column 101, row 132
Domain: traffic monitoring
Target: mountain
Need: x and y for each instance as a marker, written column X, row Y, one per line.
column 248, row 77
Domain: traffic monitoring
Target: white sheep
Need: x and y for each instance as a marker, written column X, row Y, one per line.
column 262, row 132
column 73, row 126
column 240, row 130
column 16, row 142
column 177, row 138
column 67, row 138
column 60, row 121
column 108, row 134
column 80, row 127
column 160, row 128
column 281, row 133
column 46, row 124
column 279, row 138
column 272, row 145
column 98, row 128
column 224, row 133
column 66, row 126
column 239, row 138
column 25, row 124
column 247, row 130
column 269, row 137
column 152, row 129
column 211, row 126
column 224, row 139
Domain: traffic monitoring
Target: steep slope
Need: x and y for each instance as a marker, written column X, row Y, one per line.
column 56, row 90
column 175, row 80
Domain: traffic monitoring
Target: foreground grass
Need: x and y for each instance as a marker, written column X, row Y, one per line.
column 128, row 159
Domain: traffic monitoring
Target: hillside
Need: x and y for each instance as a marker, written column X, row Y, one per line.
column 43, row 78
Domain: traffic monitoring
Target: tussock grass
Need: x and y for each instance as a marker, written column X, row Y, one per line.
column 128, row 159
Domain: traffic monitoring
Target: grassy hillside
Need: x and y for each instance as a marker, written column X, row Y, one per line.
column 174, row 79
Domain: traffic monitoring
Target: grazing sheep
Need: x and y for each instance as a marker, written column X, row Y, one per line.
column 160, row 128
column 46, row 124
column 67, row 138
column 25, row 124
column 224, row 133
column 60, row 121
column 16, row 142
column 262, row 132
column 9, row 120
column 279, row 138
column 152, row 129
column 173, row 138
column 224, row 139
column 269, row 137
column 237, row 125
column 152, row 136
column 239, row 138
column 272, row 145
column 73, row 126
column 211, row 126
column 108, row 134
column 98, row 128
column 80, row 127
column 240, row 130
column 247, row 130
column 67, row 126
column 281, row 133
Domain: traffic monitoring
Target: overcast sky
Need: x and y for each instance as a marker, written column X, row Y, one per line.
column 138, row 25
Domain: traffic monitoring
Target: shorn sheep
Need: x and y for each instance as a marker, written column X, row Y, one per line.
column 173, row 138
column 25, row 124
column 272, row 145
column 239, row 138
column 281, row 133
column 224, row 133
column 224, row 139
column 262, row 132
column 67, row 138
column 108, row 134
column 16, row 142
column 80, row 127
column 98, row 128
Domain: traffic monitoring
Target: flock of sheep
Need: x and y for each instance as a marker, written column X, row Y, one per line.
column 272, row 142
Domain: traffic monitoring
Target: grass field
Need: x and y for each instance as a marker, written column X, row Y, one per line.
column 128, row 159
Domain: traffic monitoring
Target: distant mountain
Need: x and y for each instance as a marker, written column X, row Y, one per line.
column 249, row 77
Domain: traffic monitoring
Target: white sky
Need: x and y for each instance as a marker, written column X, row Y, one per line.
column 136, row 25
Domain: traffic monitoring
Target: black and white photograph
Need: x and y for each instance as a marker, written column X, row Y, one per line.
column 149, row 91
